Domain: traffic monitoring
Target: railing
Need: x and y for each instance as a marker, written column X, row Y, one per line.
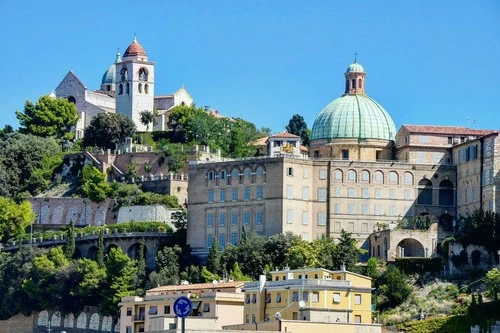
column 139, row 317
column 302, row 282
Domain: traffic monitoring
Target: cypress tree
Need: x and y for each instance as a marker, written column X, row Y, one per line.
column 70, row 246
column 100, row 250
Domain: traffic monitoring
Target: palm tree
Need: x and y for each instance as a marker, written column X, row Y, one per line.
column 148, row 117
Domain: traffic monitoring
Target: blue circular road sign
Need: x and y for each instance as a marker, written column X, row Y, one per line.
column 182, row 307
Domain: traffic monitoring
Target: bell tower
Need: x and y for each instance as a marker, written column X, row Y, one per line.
column 135, row 84
column 355, row 77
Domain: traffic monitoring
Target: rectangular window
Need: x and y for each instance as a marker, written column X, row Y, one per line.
column 295, row 296
column 128, row 329
column 305, row 296
column 258, row 217
column 345, row 154
column 222, row 240
column 289, row 172
column 278, row 298
column 378, row 210
column 350, row 192
column 408, row 195
column 357, row 299
column 222, row 219
column 222, row 195
column 322, row 194
column 254, row 298
column 268, row 298
column 420, row 157
column 338, row 210
column 351, row 227
column 210, row 220
column 295, row 316
column 338, row 192
column 260, row 192
column 321, row 218
column 247, row 193
column 289, row 191
column 234, row 194
column 304, row 218
column 234, row 218
column 129, row 312
column 306, row 173
column 392, row 210
column 350, row 208
column 365, row 193
column 210, row 240
column 246, row 217
column 364, row 209
column 289, row 216
column 336, row 298
column 357, row 318
column 322, row 174
column 153, row 310
column 337, row 226
column 166, row 309
column 378, row 193
column 206, row 307
column 305, row 193
column 247, row 299
column 234, row 239
column 210, row 196
column 315, row 296
column 364, row 227
column 450, row 140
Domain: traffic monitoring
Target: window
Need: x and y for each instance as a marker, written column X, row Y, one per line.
column 210, row 175
column 128, row 329
column 222, row 174
column 350, row 208
column 139, row 87
column 146, row 88
column 365, row 193
column 322, row 174
column 210, row 196
column 222, row 219
column 306, row 173
column 305, row 193
column 357, row 318
column 357, row 299
column 153, row 310
column 315, row 296
column 321, row 218
column 260, row 191
column 336, row 298
column 254, row 298
column 338, row 192
column 222, row 195
column 129, row 312
column 247, row 173
column 322, row 194
column 253, row 318
column 206, row 307
column 234, row 218
column 260, row 172
column 378, row 193
column 234, row 239
column 246, row 193
column 166, row 309
column 295, row 296
column 210, row 219
column 127, row 86
column 209, row 240
column 278, row 298
column 305, row 296
column 392, row 194
column 378, row 209
column 364, row 209
column 289, row 171
column 289, row 216
column 408, row 195
column 289, row 191
column 247, row 300
column 234, row 194
column 222, row 240
column 268, row 298
column 379, row 177
column 365, row 176
column 392, row 210
column 295, row 316
column 304, row 218
column 338, row 175
column 143, row 74
column 120, row 89
column 246, row 217
column 351, row 176
column 450, row 140
column 350, row 192
column 338, row 210
column 235, row 175
column 393, row 177
column 420, row 157
column 345, row 154
column 258, row 217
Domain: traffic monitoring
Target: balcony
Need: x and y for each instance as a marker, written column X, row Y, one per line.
column 328, row 284
column 139, row 317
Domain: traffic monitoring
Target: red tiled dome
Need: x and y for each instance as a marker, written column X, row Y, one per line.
column 135, row 49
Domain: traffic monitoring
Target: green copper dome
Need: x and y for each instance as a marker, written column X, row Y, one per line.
column 109, row 75
column 355, row 68
column 353, row 116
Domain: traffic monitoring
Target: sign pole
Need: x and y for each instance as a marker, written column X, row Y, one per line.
column 183, row 327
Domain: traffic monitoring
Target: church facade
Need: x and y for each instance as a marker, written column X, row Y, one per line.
column 127, row 87
column 360, row 176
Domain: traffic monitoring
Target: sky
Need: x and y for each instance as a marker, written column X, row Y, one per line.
column 427, row 62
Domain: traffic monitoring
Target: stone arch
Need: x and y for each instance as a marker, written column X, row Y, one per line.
column 43, row 318
column 92, row 253
column 56, row 319
column 72, row 99
column 408, row 178
column 69, row 320
column 411, row 247
column 365, row 176
column 446, row 222
column 338, row 176
column 57, row 214
column 107, row 323
column 44, row 214
column 424, row 192
column 110, row 247
column 393, row 178
column 94, row 322
column 134, row 250
column 351, row 176
column 81, row 321
column 143, row 74
column 77, row 254
column 100, row 215
column 378, row 177
column 446, row 193
column 72, row 215
column 86, row 215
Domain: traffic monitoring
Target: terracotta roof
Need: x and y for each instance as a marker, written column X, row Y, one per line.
column 196, row 286
column 134, row 49
column 260, row 141
column 304, row 148
column 284, row 135
column 457, row 130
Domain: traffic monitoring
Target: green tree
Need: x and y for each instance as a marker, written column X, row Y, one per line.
column 192, row 274
column 297, row 125
column 371, row 268
column 302, row 254
column 326, row 250
column 277, row 246
column 108, row 129
column 89, row 281
column 347, row 252
column 121, row 274
column 214, row 258
column 14, row 218
column 493, row 282
column 147, row 117
column 48, row 117
column 100, row 250
column 393, row 287
column 93, row 184
column 167, row 267
column 236, row 274
column 70, row 245
column 141, row 268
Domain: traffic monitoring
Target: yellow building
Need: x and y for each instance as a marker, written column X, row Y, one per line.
column 214, row 305
column 314, row 295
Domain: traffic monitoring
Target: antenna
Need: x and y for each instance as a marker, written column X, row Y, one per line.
column 355, row 56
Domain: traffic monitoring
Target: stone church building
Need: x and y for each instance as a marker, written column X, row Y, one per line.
column 127, row 87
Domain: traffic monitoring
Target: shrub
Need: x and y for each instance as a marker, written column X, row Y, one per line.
column 419, row 265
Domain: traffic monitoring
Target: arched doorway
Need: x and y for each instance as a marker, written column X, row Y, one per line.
column 411, row 248
column 424, row 192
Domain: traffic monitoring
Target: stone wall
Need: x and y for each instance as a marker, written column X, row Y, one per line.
column 145, row 213
column 493, row 329
column 17, row 324
column 86, row 321
column 486, row 260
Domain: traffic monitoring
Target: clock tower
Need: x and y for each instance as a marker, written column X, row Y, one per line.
column 135, row 84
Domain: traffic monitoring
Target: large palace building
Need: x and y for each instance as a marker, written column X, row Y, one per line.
column 360, row 175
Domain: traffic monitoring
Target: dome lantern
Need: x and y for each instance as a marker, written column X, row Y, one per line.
column 355, row 77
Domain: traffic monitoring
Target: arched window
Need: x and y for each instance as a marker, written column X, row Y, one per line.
column 71, row 99
column 140, row 88
column 146, row 88
column 235, row 174
column 365, row 176
column 128, row 88
column 360, row 83
column 143, row 74
column 378, row 177
column 424, row 192
column 123, row 74
column 393, row 177
column 338, row 175
column 408, row 178
column 210, row 176
column 247, row 173
column 120, row 89
column 222, row 174
column 446, row 193
column 353, row 84
column 351, row 176
column 260, row 172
